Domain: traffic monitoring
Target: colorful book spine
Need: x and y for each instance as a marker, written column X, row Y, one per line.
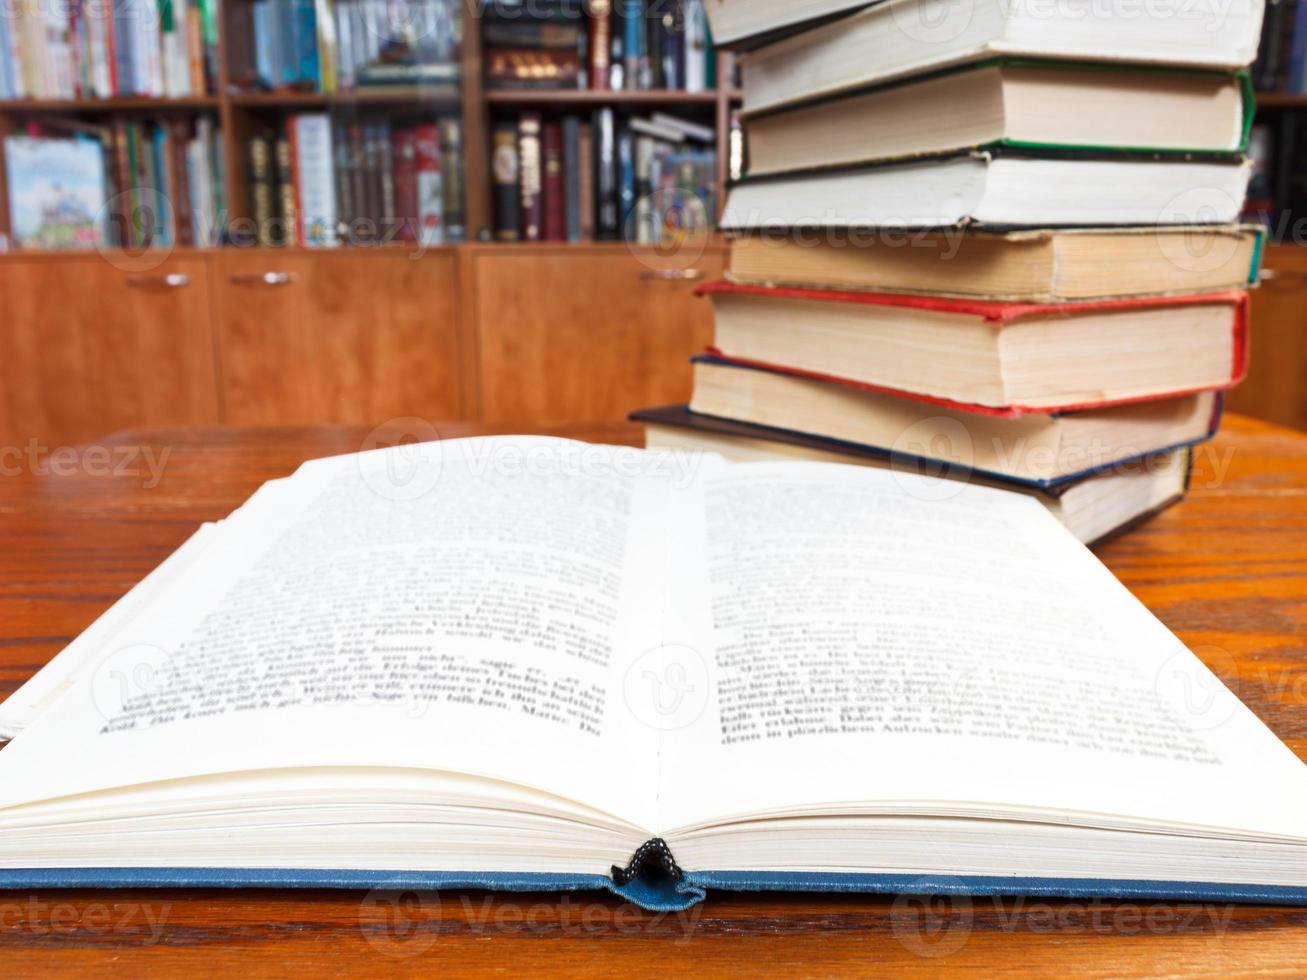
column 430, row 184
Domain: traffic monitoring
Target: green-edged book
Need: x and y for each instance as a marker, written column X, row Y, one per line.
column 1041, row 106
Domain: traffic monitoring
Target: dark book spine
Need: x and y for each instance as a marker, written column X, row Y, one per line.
column 625, row 176
column 451, row 188
column 655, row 34
column 403, row 144
column 674, row 46
column 531, row 175
column 608, row 222
column 125, row 188
column 554, row 190
column 505, row 170
column 1268, row 69
column 386, row 181
column 372, row 179
column 600, row 44
column 344, row 184
column 287, row 224
column 359, row 183
column 572, row 178
column 181, row 186
column 261, row 190
column 586, row 183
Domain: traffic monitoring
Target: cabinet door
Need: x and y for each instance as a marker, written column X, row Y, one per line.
column 584, row 333
column 87, row 348
column 1276, row 389
column 350, row 337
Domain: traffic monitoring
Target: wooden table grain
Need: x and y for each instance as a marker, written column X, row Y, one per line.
column 79, row 526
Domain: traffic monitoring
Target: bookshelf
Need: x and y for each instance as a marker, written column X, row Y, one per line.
column 239, row 112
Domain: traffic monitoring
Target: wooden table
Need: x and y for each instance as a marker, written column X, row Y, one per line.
column 1227, row 571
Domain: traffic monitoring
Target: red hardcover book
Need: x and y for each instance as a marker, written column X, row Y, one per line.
column 600, row 14
column 403, row 144
column 1153, row 339
column 554, row 191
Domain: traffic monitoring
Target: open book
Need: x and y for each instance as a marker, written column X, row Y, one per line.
column 536, row 664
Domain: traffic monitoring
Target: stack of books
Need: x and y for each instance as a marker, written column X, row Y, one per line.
column 986, row 242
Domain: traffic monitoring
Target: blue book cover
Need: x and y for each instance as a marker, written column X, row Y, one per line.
column 1297, row 76
column 287, row 51
column 306, row 44
column 265, row 27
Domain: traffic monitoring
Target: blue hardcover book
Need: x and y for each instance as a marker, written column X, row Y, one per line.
column 306, row 44
column 520, row 663
column 1297, row 75
column 265, row 27
column 287, row 51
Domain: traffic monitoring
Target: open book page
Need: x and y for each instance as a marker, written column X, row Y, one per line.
column 464, row 606
column 875, row 640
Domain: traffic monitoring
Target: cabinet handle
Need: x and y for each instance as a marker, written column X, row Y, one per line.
column 262, row 279
column 173, row 280
column 672, row 275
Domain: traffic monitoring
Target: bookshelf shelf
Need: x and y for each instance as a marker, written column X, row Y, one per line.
column 425, row 98
column 190, row 104
column 1281, row 100
column 594, row 97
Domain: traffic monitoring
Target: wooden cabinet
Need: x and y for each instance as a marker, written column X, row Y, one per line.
column 1276, row 389
column 87, row 347
column 351, row 337
column 586, row 333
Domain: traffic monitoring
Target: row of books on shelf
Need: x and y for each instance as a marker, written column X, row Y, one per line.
column 98, row 49
column 328, row 45
column 642, row 180
column 322, row 182
column 1281, row 64
column 603, row 45
column 133, row 183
